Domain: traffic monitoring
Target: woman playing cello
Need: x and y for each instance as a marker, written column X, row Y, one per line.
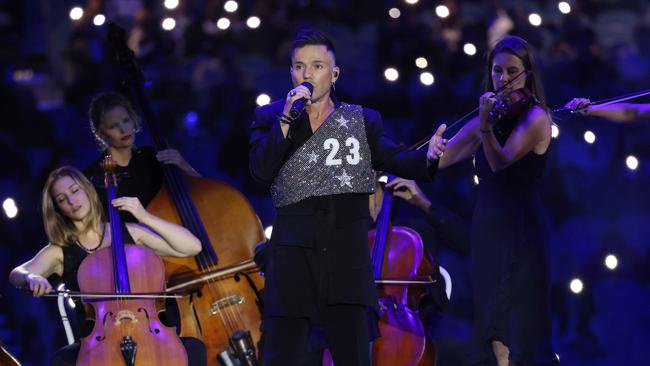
column 75, row 226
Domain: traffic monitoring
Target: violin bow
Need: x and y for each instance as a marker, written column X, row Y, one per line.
column 424, row 142
column 608, row 101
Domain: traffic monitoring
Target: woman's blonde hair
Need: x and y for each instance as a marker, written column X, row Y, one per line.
column 104, row 102
column 60, row 229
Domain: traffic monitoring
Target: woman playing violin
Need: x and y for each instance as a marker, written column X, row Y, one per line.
column 509, row 244
column 616, row 112
column 75, row 226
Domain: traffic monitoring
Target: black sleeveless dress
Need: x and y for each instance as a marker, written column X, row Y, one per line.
column 510, row 261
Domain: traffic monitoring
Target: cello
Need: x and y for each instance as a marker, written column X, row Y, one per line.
column 127, row 330
column 401, row 271
column 223, row 306
column 399, row 268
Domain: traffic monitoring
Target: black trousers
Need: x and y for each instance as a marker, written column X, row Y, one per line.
column 196, row 353
column 293, row 341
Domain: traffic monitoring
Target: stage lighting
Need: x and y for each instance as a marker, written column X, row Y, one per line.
column 99, row 19
column 391, row 74
column 469, row 49
column 394, row 13
column 535, row 19
column 9, row 205
column 442, row 11
column 590, row 137
column 421, row 62
column 171, row 4
column 253, row 22
column 263, row 99
column 168, row 24
column 426, row 78
column 576, row 286
column 230, row 6
column 76, row 13
column 564, row 7
column 191, row 119
column 632, row 162
column 223, row 23
column 611, row 261
column 411, row 2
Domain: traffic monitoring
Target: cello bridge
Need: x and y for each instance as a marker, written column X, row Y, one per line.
column 216, row 306
column 125, row 315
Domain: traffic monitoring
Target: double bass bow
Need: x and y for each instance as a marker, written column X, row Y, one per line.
column 127, row 331
column 223, row 308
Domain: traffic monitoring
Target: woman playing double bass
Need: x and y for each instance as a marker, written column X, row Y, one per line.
column 114, row 123
column 76, row 227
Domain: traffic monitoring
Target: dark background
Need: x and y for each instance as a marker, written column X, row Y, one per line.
column 204, row 83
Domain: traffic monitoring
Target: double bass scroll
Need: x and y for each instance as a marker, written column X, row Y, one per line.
column 223, row 311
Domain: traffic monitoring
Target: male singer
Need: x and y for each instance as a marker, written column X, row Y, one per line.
column 320, row 166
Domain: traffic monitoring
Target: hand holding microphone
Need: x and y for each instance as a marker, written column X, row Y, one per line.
column 297, row 99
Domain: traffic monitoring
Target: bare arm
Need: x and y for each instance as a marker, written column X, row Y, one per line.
column 33, row 273
column 462, row 145
column 164, row 237
column 534, row 132
column 617, row 112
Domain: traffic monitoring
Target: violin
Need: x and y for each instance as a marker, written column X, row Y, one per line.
column 127, row 331
column 512, row 103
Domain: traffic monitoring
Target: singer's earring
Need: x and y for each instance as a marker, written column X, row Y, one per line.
column 333, row 86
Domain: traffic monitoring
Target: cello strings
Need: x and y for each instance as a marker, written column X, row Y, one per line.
column 188, row 212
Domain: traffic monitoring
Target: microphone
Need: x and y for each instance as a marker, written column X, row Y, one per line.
column 299, row 105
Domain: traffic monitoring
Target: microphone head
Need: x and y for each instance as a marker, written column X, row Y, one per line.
column 299, row 105
column 309, row 86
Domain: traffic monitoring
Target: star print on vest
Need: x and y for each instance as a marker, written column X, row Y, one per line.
column 335, row 160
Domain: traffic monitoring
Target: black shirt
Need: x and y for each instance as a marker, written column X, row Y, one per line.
column 141, row 178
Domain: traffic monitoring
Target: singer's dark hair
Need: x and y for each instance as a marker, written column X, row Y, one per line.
column 519, row 48
column 308, row 36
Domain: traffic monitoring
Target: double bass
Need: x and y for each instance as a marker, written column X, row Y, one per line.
column 127, row 330
column 223, row 284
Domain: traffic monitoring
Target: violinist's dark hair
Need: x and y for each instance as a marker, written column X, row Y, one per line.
column 519, row 48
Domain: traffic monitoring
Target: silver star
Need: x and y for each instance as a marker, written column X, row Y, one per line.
column 343, row 122
column 345, row 179
column 313, row 157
